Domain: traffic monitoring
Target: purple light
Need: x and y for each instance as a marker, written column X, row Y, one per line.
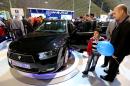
column 71, row 49
column 39, row 76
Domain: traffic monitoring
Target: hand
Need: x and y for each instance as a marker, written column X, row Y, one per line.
column 114, row 57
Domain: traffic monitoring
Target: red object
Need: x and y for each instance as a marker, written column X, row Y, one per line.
column 89, row 47
column 2, row 31
column 90, row 44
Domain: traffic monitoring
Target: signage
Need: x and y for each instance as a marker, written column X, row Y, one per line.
column 17, row 11
column 51, row 13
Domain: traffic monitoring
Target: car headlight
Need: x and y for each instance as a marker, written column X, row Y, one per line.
column 46, row 55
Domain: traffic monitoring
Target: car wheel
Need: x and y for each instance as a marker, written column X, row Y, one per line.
column 62, row 56
column 59, row 58
column 66, row 56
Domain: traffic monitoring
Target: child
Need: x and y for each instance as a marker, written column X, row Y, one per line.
column 92, row 52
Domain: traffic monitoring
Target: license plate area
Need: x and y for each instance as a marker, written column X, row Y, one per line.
column 19, row 64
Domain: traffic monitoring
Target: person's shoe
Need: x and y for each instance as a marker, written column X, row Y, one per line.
column 106, row 71
column 85, row 72
column 92, row 69
column 106, row 78
column 103, row 65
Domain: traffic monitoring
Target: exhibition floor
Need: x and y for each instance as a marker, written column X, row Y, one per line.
column 72, row 76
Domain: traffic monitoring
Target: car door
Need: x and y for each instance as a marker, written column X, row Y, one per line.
column 78, row 38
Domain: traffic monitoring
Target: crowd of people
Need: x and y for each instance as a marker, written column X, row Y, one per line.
column 16, row 28
column 86, row 23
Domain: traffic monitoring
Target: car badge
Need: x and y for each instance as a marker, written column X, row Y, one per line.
column 19, row 57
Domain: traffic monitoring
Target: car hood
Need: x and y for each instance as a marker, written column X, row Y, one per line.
column 38, row 42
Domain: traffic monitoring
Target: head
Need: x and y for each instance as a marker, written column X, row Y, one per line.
column 92, row 15
column 120, row 12
column 81, row 18
column 96, row 33
column 17, row 17
column 87, row 17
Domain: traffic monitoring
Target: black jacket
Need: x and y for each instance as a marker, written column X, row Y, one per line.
column 121, row 39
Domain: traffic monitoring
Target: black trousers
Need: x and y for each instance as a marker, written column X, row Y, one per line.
column 113, row 67
column 107, row 59
column 17, row 33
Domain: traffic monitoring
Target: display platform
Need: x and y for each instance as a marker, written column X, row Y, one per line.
column 74, row 77
column 49, row 78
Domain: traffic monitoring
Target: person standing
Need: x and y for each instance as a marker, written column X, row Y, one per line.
column 17, row 28
column 120, row 41
column 112, row 24
column 93, row 22
column 92, row 52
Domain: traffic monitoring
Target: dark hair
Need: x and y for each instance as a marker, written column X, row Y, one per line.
column 81, row 17
column 87, row 14
column 92, row 14
column 97, row 30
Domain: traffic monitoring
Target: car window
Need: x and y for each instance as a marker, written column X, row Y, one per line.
column 53, row 26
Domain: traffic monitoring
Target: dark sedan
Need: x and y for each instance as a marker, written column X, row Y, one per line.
column 45, row 50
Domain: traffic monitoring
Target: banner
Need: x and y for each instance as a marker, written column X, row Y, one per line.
column 17, row 11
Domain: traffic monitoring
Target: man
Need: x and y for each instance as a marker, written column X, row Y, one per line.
column 93, row 22
column 112, row 24
column 17, row 28
column 120, row 40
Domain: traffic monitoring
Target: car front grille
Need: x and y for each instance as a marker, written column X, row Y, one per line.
column 22, row 57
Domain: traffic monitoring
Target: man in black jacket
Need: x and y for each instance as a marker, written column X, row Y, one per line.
column 120, row 41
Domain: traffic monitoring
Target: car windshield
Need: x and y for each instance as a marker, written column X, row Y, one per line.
column 53, row 26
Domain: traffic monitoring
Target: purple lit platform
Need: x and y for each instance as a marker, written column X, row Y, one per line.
column 49, row 78
column 11, row 77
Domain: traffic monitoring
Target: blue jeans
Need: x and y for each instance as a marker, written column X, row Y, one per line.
column 92, row 61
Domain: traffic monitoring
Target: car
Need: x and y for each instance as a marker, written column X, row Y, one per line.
column 103, row 26
column 47, row 48
column 44, row 50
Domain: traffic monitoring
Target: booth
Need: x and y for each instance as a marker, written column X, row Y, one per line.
column 51, row 13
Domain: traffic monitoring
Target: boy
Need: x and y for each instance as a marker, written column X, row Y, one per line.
column 92, row 52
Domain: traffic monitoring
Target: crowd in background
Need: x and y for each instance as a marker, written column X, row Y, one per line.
column 86, row 23
column 16, row 28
